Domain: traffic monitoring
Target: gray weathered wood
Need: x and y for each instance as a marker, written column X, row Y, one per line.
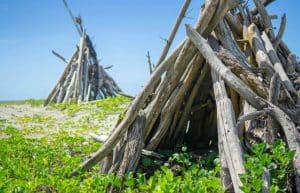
column 223, row 71
column 281, row 30
column 59, row 56
column 256, row 43
column 174, row 31
column 274, row 91
column 134, row 145
column 265, row 3
column 265, row 18
column 277, row 64
column 240, row 70
column 229, row 135
column 266, row 181
column 73, row 18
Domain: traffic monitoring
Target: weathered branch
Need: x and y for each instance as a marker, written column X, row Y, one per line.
column 174, row 31
column 265, row 3
column 228, row 135
column 266, row 181
column 256, row 43
column 73, row 18
column 247, row 117
column 151, row 66
column 223, row 71
column 277, row 64
column 279, row 36
column 265, row 18
column 60, row 56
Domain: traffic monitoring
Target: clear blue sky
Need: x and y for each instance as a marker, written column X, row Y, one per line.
column 123, row 32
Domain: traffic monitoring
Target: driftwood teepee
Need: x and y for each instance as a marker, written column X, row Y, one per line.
column 231, row 64
column 83, row 78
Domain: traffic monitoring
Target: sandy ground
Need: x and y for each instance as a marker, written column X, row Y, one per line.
column 11, row 115
column 9, row 112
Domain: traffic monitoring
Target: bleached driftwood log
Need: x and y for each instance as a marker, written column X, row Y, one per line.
column 227, row 133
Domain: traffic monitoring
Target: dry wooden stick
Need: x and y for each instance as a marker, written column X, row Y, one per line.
column 265, row 18
column 134, row 145
column 175, row 99
column 224, row 173
column 99, row 138
column 73, row 18
column 266, row 181
column 228, row 41
column 189, row 103
column 250, row 116
column 265, row 3
column 228, row 135
column 279, row 36
column 59, row 56
column 256, row 43
column 169, row 83
column 234, row 24
column 79, row 75
column 244, row 15
column 174, row 31
column 151, row 66
column 223, row 71
column 244, row 91
column 152, row 154
column 274, row 91
column 204, row 27
column 277, row 64
column 238, row 69
column 55, row 90
column 64, row 86
column 214, row 11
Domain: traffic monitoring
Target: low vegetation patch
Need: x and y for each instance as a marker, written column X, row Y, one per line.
column 33, row 165
column 44, row 164
column 277, row 159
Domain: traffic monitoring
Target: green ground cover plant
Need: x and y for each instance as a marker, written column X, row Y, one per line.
column 29, row 165
column 44, row 164
column 277, row 159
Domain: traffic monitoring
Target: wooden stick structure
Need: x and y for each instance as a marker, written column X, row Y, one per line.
column 83, row 79
column 228, row 80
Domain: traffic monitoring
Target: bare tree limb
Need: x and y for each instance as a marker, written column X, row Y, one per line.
column 173, row 31
column 265, row 3
column 279, row 36
column 80, row 31
column 60, row 56
column 151, row 66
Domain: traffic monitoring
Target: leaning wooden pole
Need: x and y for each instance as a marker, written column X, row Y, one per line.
column 80, row 32
column 174, row 31
column 228, row 134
